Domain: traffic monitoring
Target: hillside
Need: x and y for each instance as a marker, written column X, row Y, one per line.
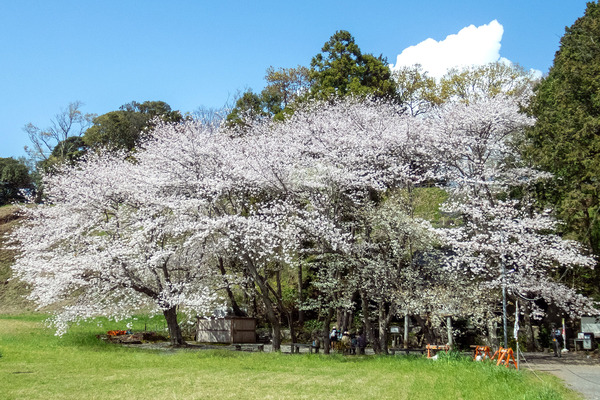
column 12, row 292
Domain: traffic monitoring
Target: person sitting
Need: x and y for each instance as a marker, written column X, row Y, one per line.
column 345, row 342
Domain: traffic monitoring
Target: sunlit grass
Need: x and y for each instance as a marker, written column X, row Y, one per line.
column 35, row 364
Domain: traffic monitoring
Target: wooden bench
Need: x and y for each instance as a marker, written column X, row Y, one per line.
column 249, row 347
column 407, row 351
column 295, row 347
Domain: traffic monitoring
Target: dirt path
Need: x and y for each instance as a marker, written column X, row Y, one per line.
column 579, row 372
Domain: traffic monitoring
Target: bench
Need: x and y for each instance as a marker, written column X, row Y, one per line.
column 295, row 347
column 249, row 346
column 407, row 351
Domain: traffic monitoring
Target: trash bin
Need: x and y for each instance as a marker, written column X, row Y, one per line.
column 588, row 340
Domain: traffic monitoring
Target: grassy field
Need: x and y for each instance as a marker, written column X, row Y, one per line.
column 34, row 364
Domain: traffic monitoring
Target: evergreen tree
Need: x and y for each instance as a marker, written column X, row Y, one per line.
column 14, row 177
column 123, row 129
column 566, row 137
column 341, row 69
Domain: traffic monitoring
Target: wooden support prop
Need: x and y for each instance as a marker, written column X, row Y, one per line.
column 505, row 356
column 433, row 348
column 483, row 352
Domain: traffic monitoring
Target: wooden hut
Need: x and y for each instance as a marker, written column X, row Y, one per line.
column 226, row 330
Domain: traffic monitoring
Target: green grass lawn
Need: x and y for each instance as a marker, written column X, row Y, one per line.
column 35, row 364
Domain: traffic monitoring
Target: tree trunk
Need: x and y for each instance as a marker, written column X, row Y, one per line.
column 326, row 323
column 276, row 329
column 290, row 319
column 385, row 317
column 492, row 333
column 273, row 318
column 281, row 307
column 427, row 329
column 368, row 326
column 383, row 338
column 237, row 311
column 300, row 298
column 531, row 344
column 348, row 320
column 406, row 329
column 173, row 326
column 449, row 331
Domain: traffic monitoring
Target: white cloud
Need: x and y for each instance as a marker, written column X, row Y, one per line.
column 471, row 46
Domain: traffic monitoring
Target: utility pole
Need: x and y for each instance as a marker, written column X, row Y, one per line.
column 504, row 304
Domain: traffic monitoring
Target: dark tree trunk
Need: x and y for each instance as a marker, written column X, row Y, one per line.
column 237, row 311
column 427, row 329
column 492, row 334
column 290, row 319
column 326, row 323
column 263, row 291
column 531, row 344
column 368, row 326
column 173, row 326
column 300, row 297
column 385, row 317
column 282, row 309
column 273, row 318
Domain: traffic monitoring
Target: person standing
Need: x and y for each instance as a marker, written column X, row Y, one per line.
column 557, row 341
column 362, row 343
column 333, row 338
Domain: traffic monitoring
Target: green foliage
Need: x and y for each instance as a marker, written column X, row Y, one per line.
column 453, row 357
column 486, row 80
column 417, row 91
column 313, row 325
column 123, row 129
column 248, row 107
column 341, row 70
column 68, row 151
column 566, row 137
column 14, row 176
column 544, row 337
column 426, row 202
column 287, row 84
column 277, row 99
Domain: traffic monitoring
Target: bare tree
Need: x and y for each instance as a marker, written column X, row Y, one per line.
column 67, row 123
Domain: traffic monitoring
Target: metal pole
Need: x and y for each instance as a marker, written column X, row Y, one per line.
column 564, row 335
column 504, row 305
column 517, row 330
column 406, row 330
column 449, row 326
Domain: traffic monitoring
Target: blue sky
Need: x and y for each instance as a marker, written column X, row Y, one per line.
column 201, row 53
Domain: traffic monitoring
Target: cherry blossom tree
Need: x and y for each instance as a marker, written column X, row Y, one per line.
column 201, row 208
column 104, row 245
column 499, row 238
